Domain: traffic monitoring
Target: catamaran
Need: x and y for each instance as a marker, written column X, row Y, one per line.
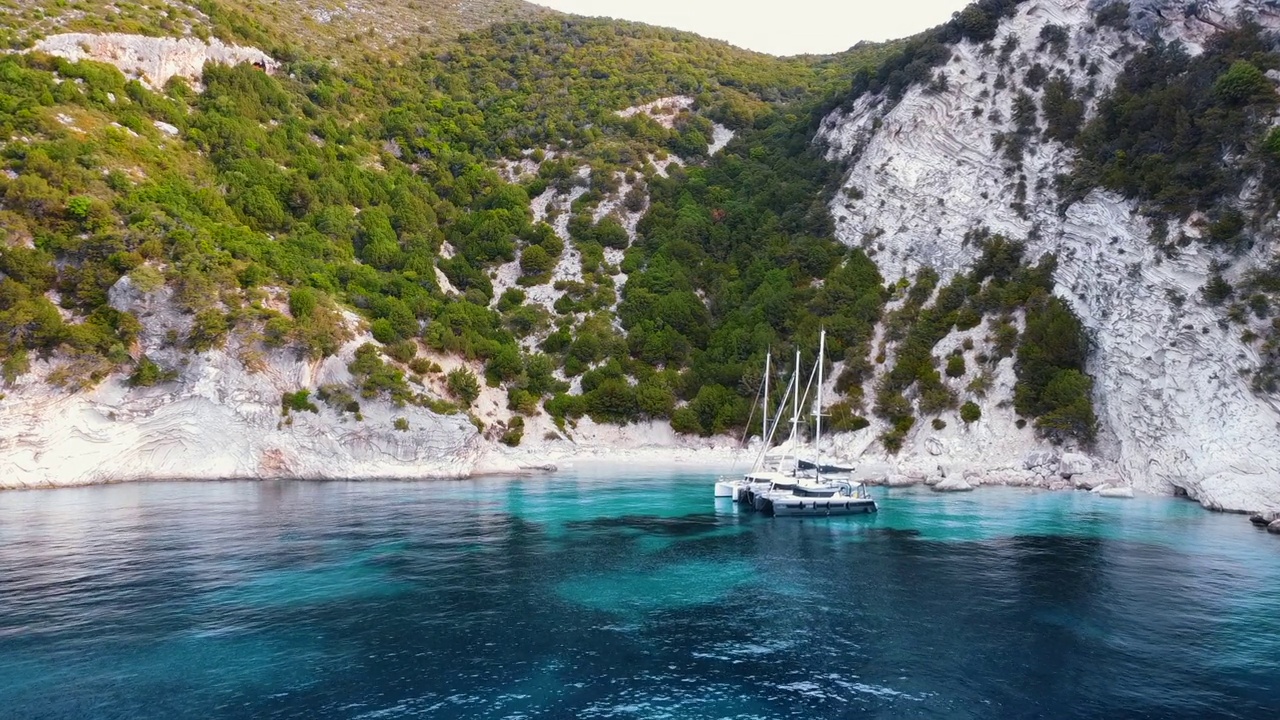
column 786, row 492
column 759, row 475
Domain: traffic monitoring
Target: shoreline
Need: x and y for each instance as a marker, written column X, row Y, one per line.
column 714, row 460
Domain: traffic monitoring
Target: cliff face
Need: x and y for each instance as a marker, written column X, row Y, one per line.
column 1172, row 378
column 152, row 60
column 217, row 419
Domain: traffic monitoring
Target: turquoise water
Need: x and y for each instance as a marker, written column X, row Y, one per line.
column 595, row 596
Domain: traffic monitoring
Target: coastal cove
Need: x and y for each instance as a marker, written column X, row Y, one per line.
column 607, row 592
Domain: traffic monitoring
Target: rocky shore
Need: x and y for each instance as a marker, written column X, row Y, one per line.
column 1268, row 520
column 1042, row 469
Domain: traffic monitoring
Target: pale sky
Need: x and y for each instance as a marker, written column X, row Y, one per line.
column 781, row 27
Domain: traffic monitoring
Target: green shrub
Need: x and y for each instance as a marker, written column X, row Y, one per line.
column 402, row 424
column 302, row 302
column 514, row 432
column 564, row 406
column 146, row 374
column 843, row 418
column 403, row 351
column 299, row 401
column 939, row 424
column 339, row 398
column 1052, row 385
column 685, row 421
column 970, row 412
column 613, row 401
column 423, row 366
column 376, row 377
column 463, row 385
column 955, row 366
column 208, row 331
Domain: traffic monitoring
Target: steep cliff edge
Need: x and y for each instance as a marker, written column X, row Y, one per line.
column 1172, row 388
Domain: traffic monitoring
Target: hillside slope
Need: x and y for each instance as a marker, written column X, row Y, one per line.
column 1040, row 239
column 1175, row 370
column 315, row 259
column 329, row 28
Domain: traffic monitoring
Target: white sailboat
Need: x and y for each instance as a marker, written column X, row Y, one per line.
column 728, row 487
column 814, row 496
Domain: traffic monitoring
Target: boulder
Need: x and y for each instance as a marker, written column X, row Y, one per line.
column 1116, row 492
column 933, row 480
column 1261, row 520
column 1087, row 482
column 953, row 485
column 1039, row 459
column 1072, row 464
column 900, row 481
column 1273, row 528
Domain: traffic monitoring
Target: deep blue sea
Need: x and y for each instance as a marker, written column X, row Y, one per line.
column 597, row 595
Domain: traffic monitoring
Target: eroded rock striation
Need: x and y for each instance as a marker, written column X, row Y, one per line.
column 1172, row 388
column 216, row 419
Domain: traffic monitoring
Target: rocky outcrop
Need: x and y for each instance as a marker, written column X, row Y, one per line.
column 152, row 60
column 220, row 417
column 1072, row 464
column 1274, row 527
column 1107, row 491
column 953, row 485
column 1171, row 381
column 217, row 419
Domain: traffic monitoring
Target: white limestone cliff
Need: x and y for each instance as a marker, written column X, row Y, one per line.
column 152, row 60
column 1172, row 388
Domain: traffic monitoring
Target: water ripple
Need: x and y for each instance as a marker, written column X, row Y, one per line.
column 589, row 597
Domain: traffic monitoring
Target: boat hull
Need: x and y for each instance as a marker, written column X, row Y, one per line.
column 821, row 507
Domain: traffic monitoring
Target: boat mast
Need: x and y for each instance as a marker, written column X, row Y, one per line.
column 817, row 434
column 764, row 421
column 795, row 418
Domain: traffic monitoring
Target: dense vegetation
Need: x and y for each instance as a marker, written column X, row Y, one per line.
column 284, row 198
column 1186, row 135
column 270, row 205
column 286, row 28
column 1182, row 133
column 1051, row 388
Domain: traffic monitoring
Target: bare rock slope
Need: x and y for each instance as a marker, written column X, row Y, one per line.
column 152, row 60
column 1172, row 386
column 217, row 419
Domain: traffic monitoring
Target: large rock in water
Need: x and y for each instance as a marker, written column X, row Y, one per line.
column 1274, row 527
column 953, row 485
column 1115, row 492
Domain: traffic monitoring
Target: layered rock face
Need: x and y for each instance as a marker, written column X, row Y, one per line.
column 218, row 419
column 1172, row 381
column 152, row 60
